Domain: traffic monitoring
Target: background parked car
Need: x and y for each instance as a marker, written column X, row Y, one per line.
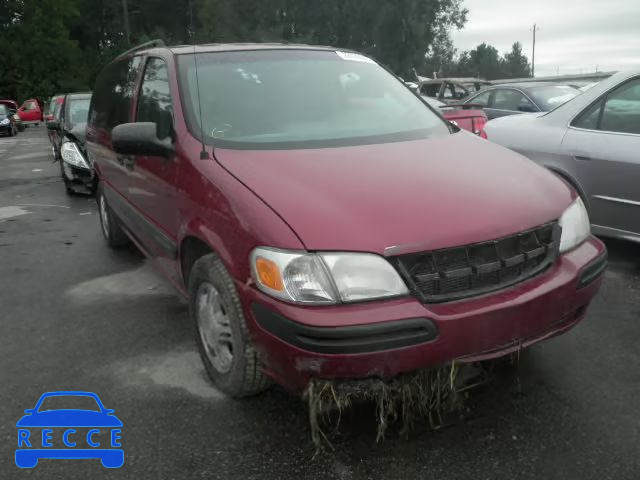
column 592, row 142
column 450, row 90
column 53, row 114
column 12, row 105
column 527, row 97
column 467, row 117
column 30, row 112
column 69, row 130
column 7, row 122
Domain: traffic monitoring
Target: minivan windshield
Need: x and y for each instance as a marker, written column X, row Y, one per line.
column 300, row 99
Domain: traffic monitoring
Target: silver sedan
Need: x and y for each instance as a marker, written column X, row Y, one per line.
column 593, row 142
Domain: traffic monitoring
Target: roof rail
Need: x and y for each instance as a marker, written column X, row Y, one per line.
column 150, row 44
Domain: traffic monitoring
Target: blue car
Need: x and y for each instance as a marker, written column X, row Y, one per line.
column 57, row 433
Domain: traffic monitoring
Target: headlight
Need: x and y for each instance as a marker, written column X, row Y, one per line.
column 72, row 155
column 575, row 225
column 324, row 278
column 5, row 121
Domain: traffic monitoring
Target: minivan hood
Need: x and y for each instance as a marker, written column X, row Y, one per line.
column 417, row 195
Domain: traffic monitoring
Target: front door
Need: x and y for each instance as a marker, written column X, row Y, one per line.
column 151, row 186
column 606, row 139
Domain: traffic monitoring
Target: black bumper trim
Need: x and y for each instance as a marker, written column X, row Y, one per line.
column 592, row 271
column 374, row 337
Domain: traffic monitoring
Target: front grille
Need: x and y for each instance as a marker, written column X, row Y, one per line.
column 455, row 273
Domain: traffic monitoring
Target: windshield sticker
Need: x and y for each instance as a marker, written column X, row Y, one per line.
column 354, row 57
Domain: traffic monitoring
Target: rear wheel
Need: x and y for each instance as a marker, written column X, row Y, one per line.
column 111, row 229
column 221, row 332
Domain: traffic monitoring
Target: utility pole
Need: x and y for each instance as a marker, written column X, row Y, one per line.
column 533, row 54
column 125, row 13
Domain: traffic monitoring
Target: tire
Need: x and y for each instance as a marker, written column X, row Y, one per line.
column 109, row 223
column 11, row 132
column 241, row 375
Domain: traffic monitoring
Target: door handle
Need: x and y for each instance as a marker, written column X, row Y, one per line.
column 584, row 158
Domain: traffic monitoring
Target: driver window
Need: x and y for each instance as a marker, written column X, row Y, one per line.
column 154, row 102
column 481, row 99
column 621, row 111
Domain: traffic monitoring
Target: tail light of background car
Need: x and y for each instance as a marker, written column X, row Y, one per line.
column 478, row 126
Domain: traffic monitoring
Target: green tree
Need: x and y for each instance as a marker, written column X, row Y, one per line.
column 515, row 64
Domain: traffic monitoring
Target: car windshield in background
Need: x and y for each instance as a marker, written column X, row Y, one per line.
column 4, row 111
column 549, row 97
column 300, row 99
column 78, row 110
column 67, row 402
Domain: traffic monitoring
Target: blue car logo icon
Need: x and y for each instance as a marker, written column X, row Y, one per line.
column 91, row 431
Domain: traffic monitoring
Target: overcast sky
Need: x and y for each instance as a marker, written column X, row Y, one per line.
column 573, row 35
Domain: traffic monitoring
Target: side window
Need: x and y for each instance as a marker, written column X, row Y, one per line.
column 430, row 89
column 589, row 118
column 621, row 111
column 618, row 112
column 506, row 99
column 449, row 92
column 30, row 106
column 154, row 102
column 113, row 93
column 482, row 99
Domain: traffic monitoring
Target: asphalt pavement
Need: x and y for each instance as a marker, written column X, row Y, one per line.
column 75, row 315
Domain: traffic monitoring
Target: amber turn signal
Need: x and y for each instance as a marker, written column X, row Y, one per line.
column 269, row 274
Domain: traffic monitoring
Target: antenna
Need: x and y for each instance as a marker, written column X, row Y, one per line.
column 204, row 155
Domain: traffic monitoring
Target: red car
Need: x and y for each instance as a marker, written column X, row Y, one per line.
column 467, row 116
column 323, row 223
column 30, row 112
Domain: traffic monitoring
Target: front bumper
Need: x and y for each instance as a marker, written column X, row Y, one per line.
column 80, row 179
column 386, row 338
column 6, row 129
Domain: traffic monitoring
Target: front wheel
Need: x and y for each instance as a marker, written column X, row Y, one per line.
column 221, row 332
column 110, row 225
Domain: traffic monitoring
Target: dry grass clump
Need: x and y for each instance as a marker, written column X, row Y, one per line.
column 435, row 394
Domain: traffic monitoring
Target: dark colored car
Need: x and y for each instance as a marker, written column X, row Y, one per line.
column 526, row 97
column 12, row 105
column 70, row 128
column 7, row 122
column 450, row 90
column 54, row 110
column 323, row 223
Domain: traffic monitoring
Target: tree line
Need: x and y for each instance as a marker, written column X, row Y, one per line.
column 52, row 46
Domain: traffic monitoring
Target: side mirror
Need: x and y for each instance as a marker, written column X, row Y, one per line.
column 29, row 410
column 141, row 139
column 526, row 108
column 109, row 411
column 53, row 124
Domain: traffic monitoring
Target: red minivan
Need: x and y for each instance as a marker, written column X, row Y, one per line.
column 324, row 222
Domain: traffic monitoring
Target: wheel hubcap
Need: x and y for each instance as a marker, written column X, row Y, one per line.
column 104, row 216
column 214, row 327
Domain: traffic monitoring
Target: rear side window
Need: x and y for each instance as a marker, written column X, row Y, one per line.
column 505, row 99
column 154, row 101
column 113, row 93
